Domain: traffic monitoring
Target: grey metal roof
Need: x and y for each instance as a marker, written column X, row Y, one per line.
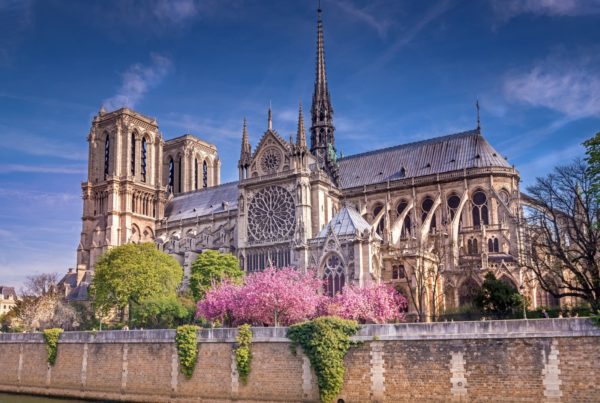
column 203, row 202
column 347, row 221
column 441, row 154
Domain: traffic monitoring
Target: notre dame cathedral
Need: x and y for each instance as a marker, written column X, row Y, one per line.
column 430, row 217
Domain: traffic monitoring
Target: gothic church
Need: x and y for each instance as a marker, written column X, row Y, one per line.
column 430, row 217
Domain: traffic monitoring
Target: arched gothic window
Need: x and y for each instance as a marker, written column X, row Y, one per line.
column 426, row 206
column 493, row 245
column 171, row 174
column 381, row 224
column 106, row 156
column 144, row 155
column 467, row 292
column 406, row 227
column 398, row 272
column 195, row 173
column 480, row 209
column 179, row 175
column 505, row 197
column 132, row 154
column 333, row 275
column 453, row 203
column 204, row 174
column 472, row 247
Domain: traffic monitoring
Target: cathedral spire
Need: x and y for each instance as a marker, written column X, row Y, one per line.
column 246, row 151
column 300, row 134
column 322, row 141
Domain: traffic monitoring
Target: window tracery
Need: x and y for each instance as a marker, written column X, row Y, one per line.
column 381, row 224
column 271, row 215
column 407, row 225
column 333, row 274
column 480, row 209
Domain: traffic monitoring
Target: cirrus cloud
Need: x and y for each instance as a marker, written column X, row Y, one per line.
column 138, row 80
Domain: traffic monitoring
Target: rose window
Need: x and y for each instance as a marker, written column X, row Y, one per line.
column 270, row 161
column 271, row 215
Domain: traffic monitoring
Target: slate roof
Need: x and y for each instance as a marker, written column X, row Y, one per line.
column 203, row 202
column 346, row 222
column 7, row 292
column 441, row 154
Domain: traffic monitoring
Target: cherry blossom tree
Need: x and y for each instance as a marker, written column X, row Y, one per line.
column 272, row 297
column 372, row 304
column 281, row 297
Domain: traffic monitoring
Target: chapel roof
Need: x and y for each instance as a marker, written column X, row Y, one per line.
column 347, row 221
column 211, row 200
column 453, row 152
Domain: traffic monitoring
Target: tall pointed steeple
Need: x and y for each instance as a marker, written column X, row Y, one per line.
column 322, row 141
column 246, row 150
column 301, row 133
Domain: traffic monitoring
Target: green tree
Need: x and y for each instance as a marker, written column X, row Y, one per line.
column 593, row 159
column 130, row 274
column 212, row 267
column 496, row 298
column 162, row 312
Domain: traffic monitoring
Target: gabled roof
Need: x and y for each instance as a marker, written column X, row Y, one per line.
column 203, row 202
column 7, row 292
column 347, row 221
column 441, row 154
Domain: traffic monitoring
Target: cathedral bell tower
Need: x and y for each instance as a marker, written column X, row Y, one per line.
column 123, row 196
column 322, row 140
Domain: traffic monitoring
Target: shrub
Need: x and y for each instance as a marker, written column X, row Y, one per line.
column 51, row 337
column 243, row 353
column 325, row 341
column 187, row 348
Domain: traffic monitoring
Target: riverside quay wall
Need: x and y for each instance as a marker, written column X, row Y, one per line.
column 516, row 360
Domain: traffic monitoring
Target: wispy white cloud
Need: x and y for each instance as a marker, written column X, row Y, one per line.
column 572, row 88
column 138, row 80
column 543, row 164
column 176, row 11
column 38, row 145
column 208, row 129
column 406, row 37
column 47, row 198
column 16, row 19
column 41, row 169
column 381, row 24
column 507, row 9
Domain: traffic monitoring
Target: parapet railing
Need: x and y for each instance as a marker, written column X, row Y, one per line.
column 496, row 329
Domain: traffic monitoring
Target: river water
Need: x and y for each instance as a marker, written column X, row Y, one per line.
column 10, row 398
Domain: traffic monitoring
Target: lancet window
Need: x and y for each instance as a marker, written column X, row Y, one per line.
column 407, row 225
column 132, row 154
column 333, row 275
column 381, row 224
column 204, row 174
column 426, row 207
column 106, row 156
column 480, row 209
column 144, row 156
column 171, row 174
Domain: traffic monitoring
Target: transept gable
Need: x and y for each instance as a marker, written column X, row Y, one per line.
column 272, row 154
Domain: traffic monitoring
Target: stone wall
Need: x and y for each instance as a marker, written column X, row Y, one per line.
column 536, row 360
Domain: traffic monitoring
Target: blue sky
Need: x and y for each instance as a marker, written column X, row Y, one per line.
column 398, row 71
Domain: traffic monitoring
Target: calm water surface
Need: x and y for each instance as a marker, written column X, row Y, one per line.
column 10, row 398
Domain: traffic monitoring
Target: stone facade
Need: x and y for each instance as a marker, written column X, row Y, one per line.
column 430, row 217
column 518, row 361
column 8, row 299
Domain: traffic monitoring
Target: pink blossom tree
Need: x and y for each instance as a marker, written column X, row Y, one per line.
column 272, row 297
column 372, row 304
column 220, row 302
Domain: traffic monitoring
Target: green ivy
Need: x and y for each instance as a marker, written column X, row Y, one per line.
column 243, row 354
column 51, row 337
column 325, row 341
column 187, row 348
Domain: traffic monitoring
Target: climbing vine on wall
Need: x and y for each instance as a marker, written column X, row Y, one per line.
column 243, row 353
column 51, row 337
column 187, row 348
column 325, row 341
